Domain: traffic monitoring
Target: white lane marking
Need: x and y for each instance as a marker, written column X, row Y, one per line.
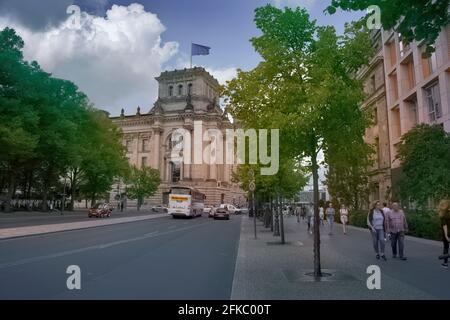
column 96, row 247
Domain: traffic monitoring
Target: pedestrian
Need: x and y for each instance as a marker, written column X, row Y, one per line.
column 377, row 225
column 386, row 209
column 121, row 205
column 343, row 212
column 444, row 216
column 303, row 212
column 329, row 212
column 310, row 219
column 321, row 215
column 396, row 227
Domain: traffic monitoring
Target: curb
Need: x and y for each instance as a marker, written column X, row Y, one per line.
column 10, row 233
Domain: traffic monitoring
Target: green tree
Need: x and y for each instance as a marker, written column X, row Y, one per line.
column 414, row 20
column 49, row 129
column 424, row 155
column 104, row 157
column 142, row 183
column 305, row 86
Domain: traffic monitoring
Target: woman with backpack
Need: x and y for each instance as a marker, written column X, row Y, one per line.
column 376, row 222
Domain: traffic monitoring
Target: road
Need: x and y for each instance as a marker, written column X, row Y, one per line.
column 24, row 219
column 161, row 258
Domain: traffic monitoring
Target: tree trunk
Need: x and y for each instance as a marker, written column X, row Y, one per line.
column 10, row 193
column 315, row 174
column 281, row 220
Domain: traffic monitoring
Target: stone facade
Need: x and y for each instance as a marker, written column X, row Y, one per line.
column 377, row 135
column 185, row 97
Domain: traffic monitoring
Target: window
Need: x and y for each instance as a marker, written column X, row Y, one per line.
column 377, row 146
column 394, row 87
column 190, row 88
column 128, row 145
column 176, row 141
column 408, row 71
column 403, row 45
column 144, row 145
column 180, row 89
column 392, row 53
column 170, row 91
column 175, row 171
column 396, row 128
column 372, row 84
column 144, row 162
column 433, row 101
column 411, row 109
column 429, row 63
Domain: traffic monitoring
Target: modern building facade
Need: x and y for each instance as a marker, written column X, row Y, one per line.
column 187, row 99
column 417, row 87
column 404, row 87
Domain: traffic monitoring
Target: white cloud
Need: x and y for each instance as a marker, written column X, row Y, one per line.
column 113, row 59
column 224, row 74
column 308, row 4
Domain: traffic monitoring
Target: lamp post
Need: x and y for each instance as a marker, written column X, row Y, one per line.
column 64, row 196
column 251, row 188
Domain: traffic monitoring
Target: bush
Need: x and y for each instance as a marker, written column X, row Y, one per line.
column 358, row 218
column 422, row 224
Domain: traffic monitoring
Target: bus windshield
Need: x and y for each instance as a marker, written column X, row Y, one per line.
column 180, row 191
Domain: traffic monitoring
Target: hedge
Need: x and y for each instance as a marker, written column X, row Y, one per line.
column 422, row 224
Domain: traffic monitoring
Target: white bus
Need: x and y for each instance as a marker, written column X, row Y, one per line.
column 185, row 202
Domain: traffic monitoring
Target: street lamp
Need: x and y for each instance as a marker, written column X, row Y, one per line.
column 251, row 188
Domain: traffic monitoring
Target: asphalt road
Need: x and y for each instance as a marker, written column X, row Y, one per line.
column 161, row 258
column 25, row 219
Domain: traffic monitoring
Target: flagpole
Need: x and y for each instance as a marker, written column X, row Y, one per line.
column 191, row 57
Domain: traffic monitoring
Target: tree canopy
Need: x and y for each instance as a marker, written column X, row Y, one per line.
column 48, row 128
column 424, row 155
column 306, row 87
column 414, row 20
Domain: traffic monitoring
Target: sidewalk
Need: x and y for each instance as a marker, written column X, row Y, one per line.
column 6, row 233
column 266, row 269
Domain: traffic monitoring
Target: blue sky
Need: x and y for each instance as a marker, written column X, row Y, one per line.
column 226, row 26
column 120, row 46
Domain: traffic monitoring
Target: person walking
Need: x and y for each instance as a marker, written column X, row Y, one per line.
column 386, row 209
column 330, row 217
column 321, row 215
column 377, row 224
column 444, row 216
column 310, row 219
column 396, row 227
column 343, row 212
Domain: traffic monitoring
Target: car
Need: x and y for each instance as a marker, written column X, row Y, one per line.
column 231, row 208
column 159, row 209
column 207, row 209
column 100, row 210
column 221, row 213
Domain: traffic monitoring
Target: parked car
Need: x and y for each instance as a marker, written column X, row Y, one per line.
column 221, row 213
column 100, row 210
column 159, row 209
column 231, row 208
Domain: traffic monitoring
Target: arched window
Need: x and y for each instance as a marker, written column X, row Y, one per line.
column 170, row 91
column 190, row 88
column 175, row 171
column 180, row 89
